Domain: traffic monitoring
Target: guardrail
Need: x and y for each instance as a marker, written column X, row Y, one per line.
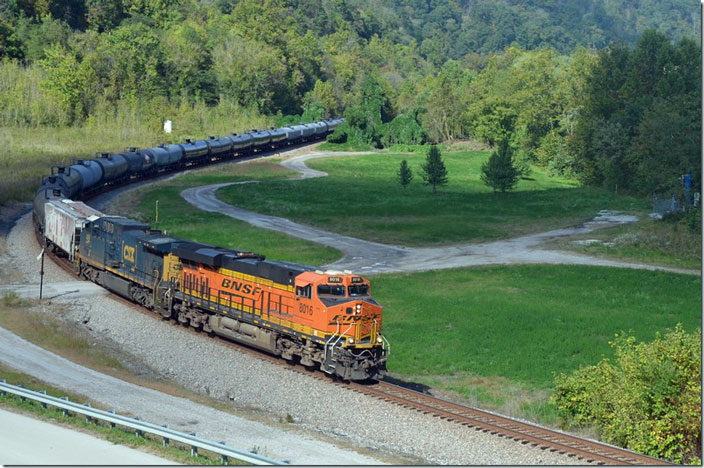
column 140, row 427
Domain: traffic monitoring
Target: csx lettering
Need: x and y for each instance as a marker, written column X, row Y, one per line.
column 241, row 287
column 128, row 253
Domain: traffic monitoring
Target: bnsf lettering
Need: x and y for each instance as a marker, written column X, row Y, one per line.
column 128, row 253
column 344, row 318
column 244, row 288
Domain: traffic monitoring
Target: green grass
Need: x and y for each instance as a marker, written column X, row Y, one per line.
column 348, row 146
column 362, row 198
column 525, row 323
column 180, row 219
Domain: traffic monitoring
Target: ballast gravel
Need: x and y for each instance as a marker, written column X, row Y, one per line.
column 381, row 430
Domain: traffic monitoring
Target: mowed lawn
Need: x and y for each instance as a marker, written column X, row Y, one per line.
column 525, row 323
column 362, row 198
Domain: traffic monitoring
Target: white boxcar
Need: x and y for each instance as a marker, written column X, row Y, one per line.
column 64, row 221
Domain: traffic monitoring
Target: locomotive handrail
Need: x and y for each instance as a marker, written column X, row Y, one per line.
column 141, row 426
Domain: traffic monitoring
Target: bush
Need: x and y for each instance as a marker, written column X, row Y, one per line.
column 403, row 129
column 648, row 401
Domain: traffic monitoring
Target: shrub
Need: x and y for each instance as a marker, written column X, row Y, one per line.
column 648, row 401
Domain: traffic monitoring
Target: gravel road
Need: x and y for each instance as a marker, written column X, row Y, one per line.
column 347, row 427
column 371, row 257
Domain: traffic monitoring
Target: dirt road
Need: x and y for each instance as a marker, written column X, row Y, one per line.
column 370, row 257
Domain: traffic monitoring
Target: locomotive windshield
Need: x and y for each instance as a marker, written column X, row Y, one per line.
column 331, row 290
column 359, row 290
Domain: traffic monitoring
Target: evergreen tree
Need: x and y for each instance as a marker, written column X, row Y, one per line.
column 433, row 171
column 405, row 176
column 499, row 172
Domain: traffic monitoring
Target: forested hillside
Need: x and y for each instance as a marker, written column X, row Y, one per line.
column 582, row 87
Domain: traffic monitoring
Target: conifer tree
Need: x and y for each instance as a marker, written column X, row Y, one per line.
column 405, row 176
column 499, row 172
column 433, row 171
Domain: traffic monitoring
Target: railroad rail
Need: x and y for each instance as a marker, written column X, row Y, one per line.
column 526, row 433
column 140, row 427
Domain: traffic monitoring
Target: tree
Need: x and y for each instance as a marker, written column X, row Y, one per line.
column 499, row 172
column 433, row 171
column 405, row 176
column 648, row 399
column 10, row 46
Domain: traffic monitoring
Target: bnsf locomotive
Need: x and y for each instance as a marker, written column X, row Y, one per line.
column 325, row 319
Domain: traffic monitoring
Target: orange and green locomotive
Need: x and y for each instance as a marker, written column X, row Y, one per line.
column 325, row 319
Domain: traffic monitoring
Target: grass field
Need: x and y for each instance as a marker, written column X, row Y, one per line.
column 180, row 219
column 500, row 334
column 362, row 198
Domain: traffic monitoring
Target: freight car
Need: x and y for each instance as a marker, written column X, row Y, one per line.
column 325, row 319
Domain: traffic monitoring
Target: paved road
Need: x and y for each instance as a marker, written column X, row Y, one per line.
column 21, row 438
column 371, row 257
column 160, row 408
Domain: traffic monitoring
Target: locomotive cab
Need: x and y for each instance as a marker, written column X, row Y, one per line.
column 340, row 305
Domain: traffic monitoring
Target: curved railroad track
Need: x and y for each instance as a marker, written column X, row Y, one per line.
column 586, row 450
column 471, row 418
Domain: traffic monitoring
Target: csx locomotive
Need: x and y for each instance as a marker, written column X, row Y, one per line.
column 325, row 319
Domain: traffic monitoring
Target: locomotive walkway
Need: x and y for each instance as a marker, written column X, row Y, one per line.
column 371, row 257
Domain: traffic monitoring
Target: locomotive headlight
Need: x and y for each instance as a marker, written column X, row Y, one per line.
column 359, row 309
column 378, row 339
column 350, row 340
